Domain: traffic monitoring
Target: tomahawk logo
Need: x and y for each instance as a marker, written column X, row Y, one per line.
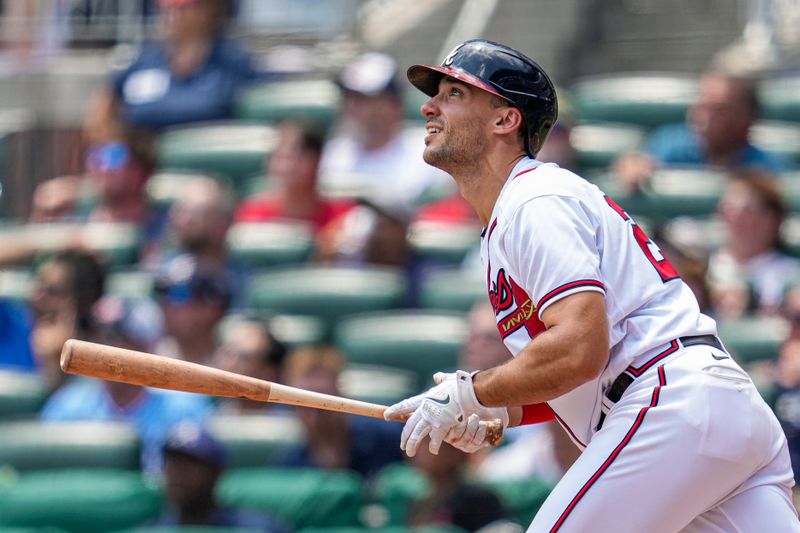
column 505, row 294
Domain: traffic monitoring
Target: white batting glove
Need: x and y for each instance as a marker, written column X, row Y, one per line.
column 468, row 435
column 467, row 399
column 436, row 415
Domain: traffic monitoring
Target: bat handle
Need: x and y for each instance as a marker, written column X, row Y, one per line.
column 494, row 429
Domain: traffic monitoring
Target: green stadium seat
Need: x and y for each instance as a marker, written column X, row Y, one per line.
column 31, row 530
column 598, row 145
column 423, row 342
column 301, row 497
column 233, row 150
column 377, row 384
column 255, row 440
column 780, row 98
column 163, row 188
column 444, row 242
column 85, row 501
column 34, row 445
column 643, row 99
column 188, row 529
column 255, row 185
column 130, row 284
column 398, row 485
column 753, row 338
column 672, row 192
column 781, row 139
column 263, row 244
column 452, row 289
column 292, row 330
column 16, row 283
column 21, row 395
column 327, row 292
column 790, row 187
column 390, row 529
column 274, row 101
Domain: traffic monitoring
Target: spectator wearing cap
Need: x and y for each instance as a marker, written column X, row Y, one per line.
column 335, row 441
column 371, row 155
column 251, row 350
column 191, row 74
column 716, row 134
column 294, row 166
column 134, row 325
column 193, row 298
column 193, row 463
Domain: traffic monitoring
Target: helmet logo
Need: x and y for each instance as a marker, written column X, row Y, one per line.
column 451, row 56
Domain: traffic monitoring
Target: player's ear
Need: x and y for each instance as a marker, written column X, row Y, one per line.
column 508, row 120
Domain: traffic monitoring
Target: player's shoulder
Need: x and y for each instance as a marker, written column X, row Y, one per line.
column 541, row 182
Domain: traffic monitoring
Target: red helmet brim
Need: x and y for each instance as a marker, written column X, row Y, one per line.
column 426, row 78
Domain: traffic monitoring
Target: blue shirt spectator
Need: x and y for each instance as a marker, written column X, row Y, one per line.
column 677, row 144
column 153, row 412
column 15, row 332
column 151, row 96
column 373, row 445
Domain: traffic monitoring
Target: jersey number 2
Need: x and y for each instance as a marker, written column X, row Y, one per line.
column 650, row 249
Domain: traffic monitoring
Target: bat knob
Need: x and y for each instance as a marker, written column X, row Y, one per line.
column 494, row 431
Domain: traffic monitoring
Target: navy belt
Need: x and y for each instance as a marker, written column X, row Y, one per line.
column 624, row 380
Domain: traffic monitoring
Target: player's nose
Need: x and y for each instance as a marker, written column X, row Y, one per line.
column 429, row 108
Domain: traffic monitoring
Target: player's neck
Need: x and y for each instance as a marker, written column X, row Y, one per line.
column 481, row 185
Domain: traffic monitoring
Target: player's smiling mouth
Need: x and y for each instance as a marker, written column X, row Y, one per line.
column 432, row 129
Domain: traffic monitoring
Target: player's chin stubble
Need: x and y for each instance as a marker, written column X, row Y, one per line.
column 456, row 148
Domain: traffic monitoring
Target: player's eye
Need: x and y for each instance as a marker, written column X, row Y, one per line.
column 455, row 91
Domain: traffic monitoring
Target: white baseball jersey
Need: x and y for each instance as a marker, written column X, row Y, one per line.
column 553, row 234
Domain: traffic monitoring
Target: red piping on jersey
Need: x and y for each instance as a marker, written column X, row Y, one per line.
column 636, row 372
column 568, row 429
column 491, row 229
column 568, row 286
column 536, row 413
column 662, row 382
column 518, row 174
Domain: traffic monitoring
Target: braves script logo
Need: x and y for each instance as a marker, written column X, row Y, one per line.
column 449, row 59
column 503, row 294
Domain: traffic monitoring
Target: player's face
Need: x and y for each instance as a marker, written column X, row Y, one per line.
column 457, row 120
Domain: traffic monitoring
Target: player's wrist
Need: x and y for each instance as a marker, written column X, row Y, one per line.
column 470, row 403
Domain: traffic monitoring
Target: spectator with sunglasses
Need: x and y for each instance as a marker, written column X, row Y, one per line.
column 194, row 298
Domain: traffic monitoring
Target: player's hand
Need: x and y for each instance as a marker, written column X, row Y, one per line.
column 467, row 399
column 468, row 435
column 437, row 414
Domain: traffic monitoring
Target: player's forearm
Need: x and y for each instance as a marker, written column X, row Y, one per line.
column 555, row 363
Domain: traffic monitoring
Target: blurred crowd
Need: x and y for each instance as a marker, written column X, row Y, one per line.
column 358, row 190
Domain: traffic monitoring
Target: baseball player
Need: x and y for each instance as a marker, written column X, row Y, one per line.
column 606, row 337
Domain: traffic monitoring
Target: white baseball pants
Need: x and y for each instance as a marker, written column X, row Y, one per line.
column 690, row 447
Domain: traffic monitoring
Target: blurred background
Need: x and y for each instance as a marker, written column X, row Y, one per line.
column 239, row 183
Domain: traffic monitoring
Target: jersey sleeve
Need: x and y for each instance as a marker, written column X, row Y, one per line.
column 552, row 242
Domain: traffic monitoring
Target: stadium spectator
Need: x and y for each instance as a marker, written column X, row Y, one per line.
column 294, row 167
column 198, row 225
column 193, row 298
column 116, row 174
column 191, row 74
column 15, row 338
column 483, row 348
column 451, row 501
column 371, row 155
column 193, row 463
column 786, row 396
column 66, row 287
column 134, row 325
column 716, row 133
column 335, row 440
column 752, row 259
column 250, row 349
column 375, row 232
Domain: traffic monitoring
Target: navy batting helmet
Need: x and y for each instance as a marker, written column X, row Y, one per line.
column 505, row 73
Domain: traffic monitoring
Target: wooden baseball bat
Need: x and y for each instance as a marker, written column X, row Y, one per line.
column 150, row 370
